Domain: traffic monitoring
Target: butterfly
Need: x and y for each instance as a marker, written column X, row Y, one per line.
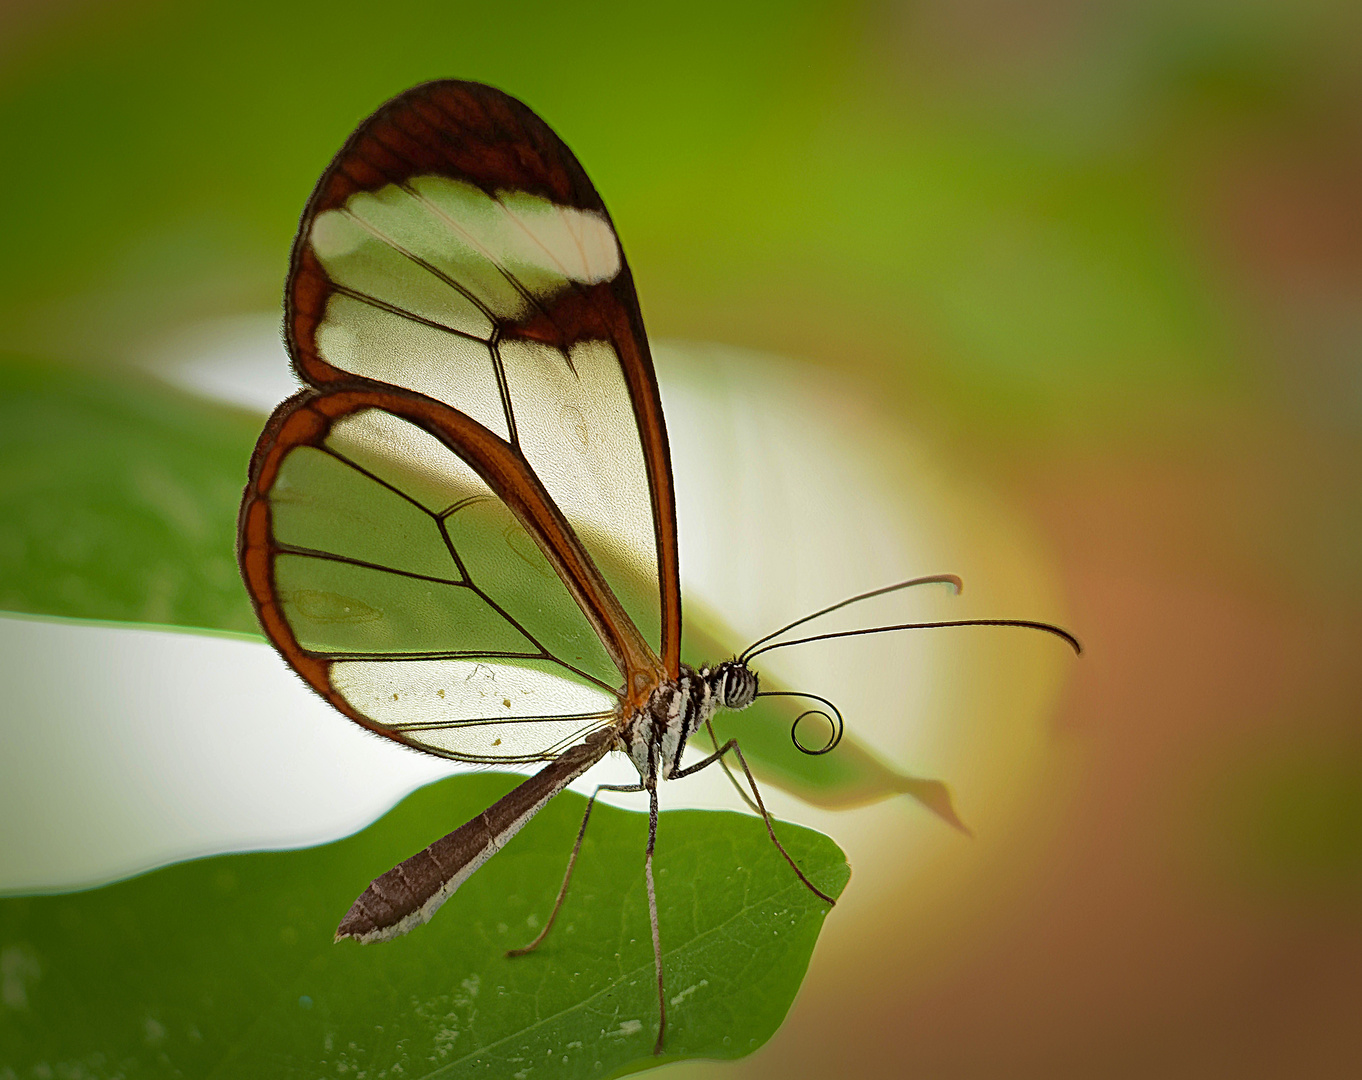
column 462, row 532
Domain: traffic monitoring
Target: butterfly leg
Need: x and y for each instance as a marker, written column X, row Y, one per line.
column 718, row 755
column 714, row 740
column 652, row 911
column 572, row 862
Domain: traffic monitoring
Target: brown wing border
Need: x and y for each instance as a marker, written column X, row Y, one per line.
column 476, row 133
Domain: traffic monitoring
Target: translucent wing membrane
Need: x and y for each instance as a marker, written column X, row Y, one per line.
column 474, row 710
column 410, row 594
column 455, row 248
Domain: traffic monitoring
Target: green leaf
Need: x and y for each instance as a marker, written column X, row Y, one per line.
column 118, row 501
column 226, row 966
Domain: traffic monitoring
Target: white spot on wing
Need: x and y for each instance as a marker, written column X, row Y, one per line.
column 334, row 235
column 579, row 244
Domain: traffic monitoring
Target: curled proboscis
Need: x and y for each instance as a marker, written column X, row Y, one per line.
column 833, row 717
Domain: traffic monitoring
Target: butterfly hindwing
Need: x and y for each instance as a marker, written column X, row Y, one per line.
column 412, row 596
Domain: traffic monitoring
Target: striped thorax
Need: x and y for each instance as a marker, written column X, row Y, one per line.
column 659, row 731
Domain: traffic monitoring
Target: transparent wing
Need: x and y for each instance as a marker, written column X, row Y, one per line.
column 411, row 594
column 456, row 248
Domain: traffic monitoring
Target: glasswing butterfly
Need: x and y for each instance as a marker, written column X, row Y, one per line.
column 462, row 532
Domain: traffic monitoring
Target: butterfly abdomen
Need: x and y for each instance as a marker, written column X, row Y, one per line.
column 411, row 892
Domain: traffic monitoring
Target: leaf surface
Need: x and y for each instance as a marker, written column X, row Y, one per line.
column 118, row 499
column 226, row 966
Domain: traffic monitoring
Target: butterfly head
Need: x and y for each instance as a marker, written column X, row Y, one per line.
column 733, row 684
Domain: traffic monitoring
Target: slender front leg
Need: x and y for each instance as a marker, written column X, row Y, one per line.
column 572, row 861
column 652, row 911
column 714, row 741
column 732, row 744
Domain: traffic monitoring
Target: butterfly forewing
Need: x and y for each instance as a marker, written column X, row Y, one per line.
column 456, row 248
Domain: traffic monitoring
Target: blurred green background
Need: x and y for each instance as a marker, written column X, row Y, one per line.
column 1108, row 257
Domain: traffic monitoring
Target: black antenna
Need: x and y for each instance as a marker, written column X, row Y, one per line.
column 934, row 579
column 1049, row 628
